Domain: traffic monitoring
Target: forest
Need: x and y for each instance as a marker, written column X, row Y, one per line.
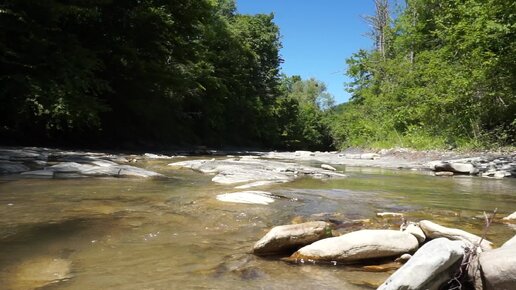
column 154, row 73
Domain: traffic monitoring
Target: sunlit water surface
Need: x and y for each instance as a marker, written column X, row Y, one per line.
column 174, row 234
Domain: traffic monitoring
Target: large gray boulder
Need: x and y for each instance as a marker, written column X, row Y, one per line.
column 359, row 245
column 291, row 237
column 498, row 268
column 433, row 231
column 431, row 266
column 456, row 167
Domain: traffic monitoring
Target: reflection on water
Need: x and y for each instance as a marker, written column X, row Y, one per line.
column 173, row 233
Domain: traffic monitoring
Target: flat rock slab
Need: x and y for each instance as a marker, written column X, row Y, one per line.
column 433, row 231
column 359, row 245
column 498, row 268
column 7, row 167
column 105, row 169
column 431, row 266
column 248, row 170
column 286, row 238
column 249, row 197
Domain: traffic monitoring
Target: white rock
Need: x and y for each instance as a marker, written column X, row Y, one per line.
column 414, row 229
column 328, row 167
column 250, row 197
column 433, row 231
column 359, row 245
column 290, row 237
column 512, row 216
column 457, row 167
column 429, row 267
column 498, row 268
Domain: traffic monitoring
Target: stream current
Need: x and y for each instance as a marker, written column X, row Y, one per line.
column 173, row 234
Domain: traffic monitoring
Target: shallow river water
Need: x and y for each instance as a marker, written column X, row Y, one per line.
column 173, row 234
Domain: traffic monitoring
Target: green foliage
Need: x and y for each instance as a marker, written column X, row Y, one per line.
column 447, row 80
column 138, row 72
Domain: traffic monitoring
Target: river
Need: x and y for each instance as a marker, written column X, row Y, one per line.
column 173, row 234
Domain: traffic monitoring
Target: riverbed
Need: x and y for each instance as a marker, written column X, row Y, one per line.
column 171, row 233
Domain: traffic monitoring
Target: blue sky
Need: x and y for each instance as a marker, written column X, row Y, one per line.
column 317, row 36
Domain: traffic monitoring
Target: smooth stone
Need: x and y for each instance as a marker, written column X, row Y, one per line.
column 359, row 245
column 249, row 197
column 430, row 267
column 498, row 268
column 39, row 272
column 443, row 173
column 416, row 231
column 510, row 243
column 291, row 237
column 433, row 231
column 328, row 167
column 403, row 258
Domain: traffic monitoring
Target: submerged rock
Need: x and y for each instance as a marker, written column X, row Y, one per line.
column 359, row 245
column 430, row 267
column 38, row 272
column 498, row 268
column 250, row 197
column 285, row 238
column 433, row 231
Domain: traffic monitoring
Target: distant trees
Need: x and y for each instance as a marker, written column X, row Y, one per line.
column 446, row 79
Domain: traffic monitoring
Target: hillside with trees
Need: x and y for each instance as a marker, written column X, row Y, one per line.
column 131, row 74
column 442, row 75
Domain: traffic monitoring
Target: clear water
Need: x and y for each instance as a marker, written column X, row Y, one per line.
column 174, row 234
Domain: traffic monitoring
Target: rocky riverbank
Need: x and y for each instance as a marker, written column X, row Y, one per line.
column 256, row 166
column 425, row 255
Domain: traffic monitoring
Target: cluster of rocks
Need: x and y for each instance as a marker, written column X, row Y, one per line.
column 427, row 255
column 495, row 167
column 249, row 171
column 53, row 163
